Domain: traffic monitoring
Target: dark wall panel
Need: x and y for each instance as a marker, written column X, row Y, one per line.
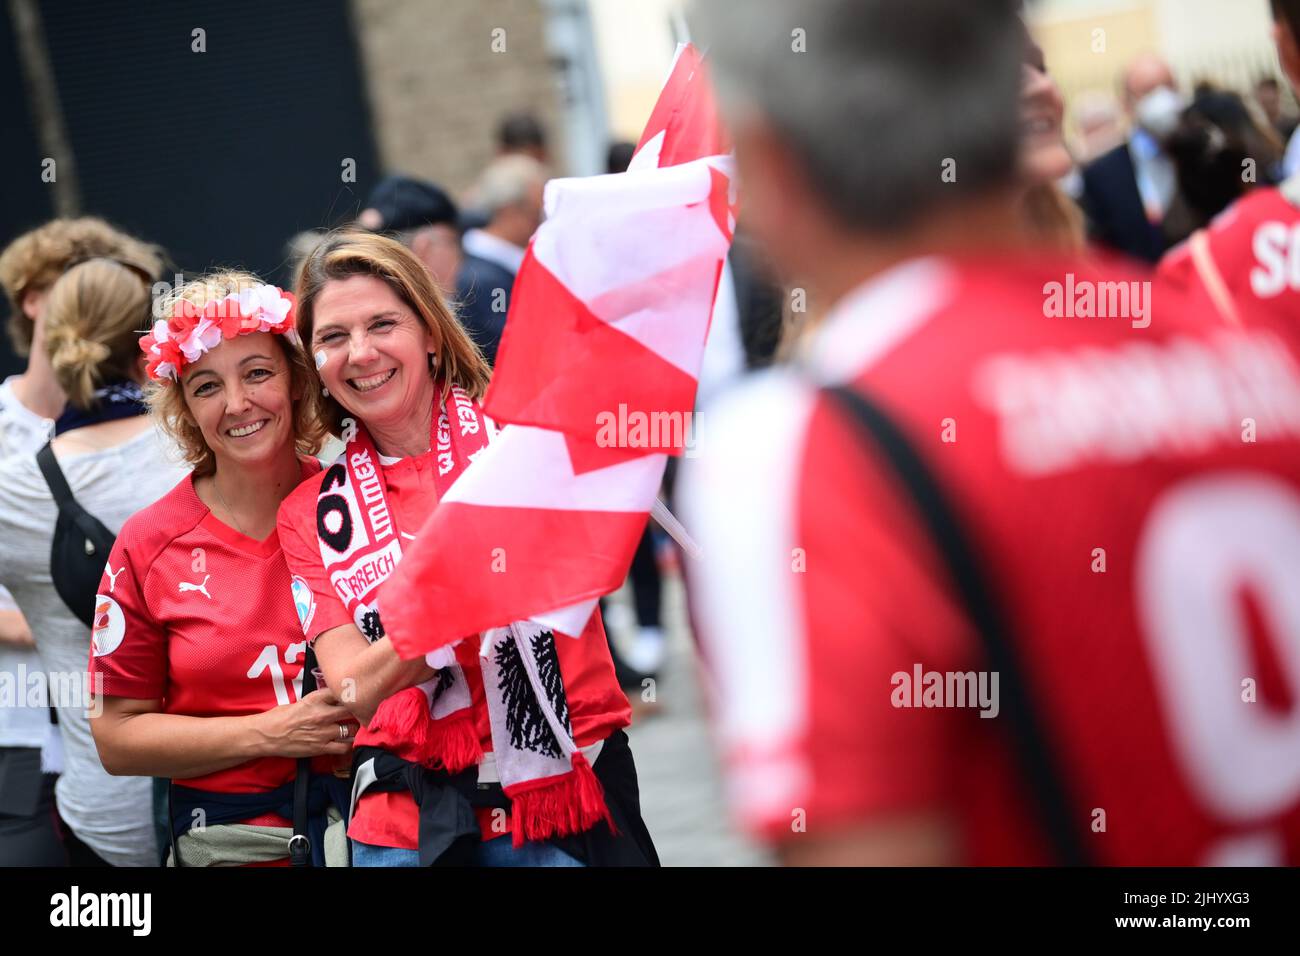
column 24, row 200
column 219, row 155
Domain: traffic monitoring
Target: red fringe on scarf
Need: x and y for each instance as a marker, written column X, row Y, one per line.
column 558, row 806
column 403, row 726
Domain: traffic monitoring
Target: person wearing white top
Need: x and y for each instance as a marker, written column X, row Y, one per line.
column 115, row 463
column 30, row 754
column 29, row 405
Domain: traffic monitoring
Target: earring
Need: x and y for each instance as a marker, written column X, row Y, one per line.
column 325, row 392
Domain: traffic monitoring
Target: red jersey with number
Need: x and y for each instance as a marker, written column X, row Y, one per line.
column 1251, row 250
column 1133, row 496
column 195, row 614
column 597, row 705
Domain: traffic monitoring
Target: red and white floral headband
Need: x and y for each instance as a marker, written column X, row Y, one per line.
column 190, row 332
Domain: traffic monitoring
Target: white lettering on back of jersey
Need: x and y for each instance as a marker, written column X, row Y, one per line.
column 1277, row 254
column 1206, row 543
column 1059, row 410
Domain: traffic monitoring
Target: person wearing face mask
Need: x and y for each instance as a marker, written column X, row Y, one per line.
column 1128, row 191
column 195, row 637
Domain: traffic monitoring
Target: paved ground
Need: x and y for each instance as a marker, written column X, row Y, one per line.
column 676, row 765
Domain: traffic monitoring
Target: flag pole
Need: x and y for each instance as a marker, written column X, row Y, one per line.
column 676, row 530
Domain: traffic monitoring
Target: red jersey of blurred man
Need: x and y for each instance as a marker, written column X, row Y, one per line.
column 1112, row 675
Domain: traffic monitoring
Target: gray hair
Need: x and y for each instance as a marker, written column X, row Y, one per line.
column 506, row 181
column 876, row 98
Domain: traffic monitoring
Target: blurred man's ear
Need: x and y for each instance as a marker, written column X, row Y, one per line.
column 1288, row 51
column 775, row 197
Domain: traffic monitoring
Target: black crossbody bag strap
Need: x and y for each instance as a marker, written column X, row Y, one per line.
column 939, row 519
column 97, row 539
column 68, row 504
column 171, row 828
column 54, row 477
column 299, row 844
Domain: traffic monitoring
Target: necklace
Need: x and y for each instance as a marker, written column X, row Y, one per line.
column 225, row 504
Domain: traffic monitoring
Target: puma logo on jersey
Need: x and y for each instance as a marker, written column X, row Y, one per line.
column 112, row 576
column 202, row 588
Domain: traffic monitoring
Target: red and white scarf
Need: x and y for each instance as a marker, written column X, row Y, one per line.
column 551, row 786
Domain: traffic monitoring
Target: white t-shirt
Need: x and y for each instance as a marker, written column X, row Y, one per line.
column 112, row 815
column 22, row 432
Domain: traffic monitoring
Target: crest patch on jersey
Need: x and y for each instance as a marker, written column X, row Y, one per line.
column 304, row 602
column 108, row 627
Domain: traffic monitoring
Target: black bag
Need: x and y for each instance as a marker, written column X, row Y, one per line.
column 81, row 544
column 299, row 845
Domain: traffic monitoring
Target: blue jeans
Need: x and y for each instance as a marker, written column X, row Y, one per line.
column 498, row 852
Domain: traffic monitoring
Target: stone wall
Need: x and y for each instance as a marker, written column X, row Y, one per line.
column 439, row 81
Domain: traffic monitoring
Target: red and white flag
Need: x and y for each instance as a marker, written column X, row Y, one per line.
column 520, row 536
column 684, row 125
column 612, row 303
column 607, row 324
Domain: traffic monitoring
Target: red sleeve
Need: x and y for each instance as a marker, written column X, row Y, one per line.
column 319, row 608
column 875, row 606
column 128, row 644
column 815, row 590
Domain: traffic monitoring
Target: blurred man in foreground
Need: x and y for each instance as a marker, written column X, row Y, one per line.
column 999, row 571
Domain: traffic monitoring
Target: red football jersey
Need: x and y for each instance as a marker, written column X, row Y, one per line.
column 1250, row 254
column 195, row 614
column 1133, row 495
column 597, row 706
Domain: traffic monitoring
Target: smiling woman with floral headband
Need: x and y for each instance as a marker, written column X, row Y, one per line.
column 517, row 758
column 195, row 634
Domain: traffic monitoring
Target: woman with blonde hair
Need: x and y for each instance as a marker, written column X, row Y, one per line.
column 196, row 637
column 30, row 746
column 515, row 758
column 114, row 463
